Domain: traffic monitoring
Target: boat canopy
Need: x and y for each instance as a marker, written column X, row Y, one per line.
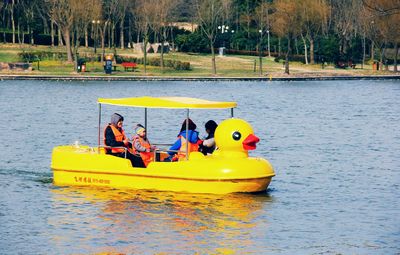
column 167, row 102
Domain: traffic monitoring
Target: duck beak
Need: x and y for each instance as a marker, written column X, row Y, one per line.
column 250, row 142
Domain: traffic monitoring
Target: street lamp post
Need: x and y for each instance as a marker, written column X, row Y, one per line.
column 224, row 29
column 260, row 50
column 96, row 24
column 269, row 49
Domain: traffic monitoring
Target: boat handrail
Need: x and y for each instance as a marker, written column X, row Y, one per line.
column 158, row 150
column 162, row 144
column 115, row 147
column 154, row 151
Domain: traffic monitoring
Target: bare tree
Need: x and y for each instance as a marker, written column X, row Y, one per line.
column 160, row 20
column 108, row 10
column 121, row 13
column 385, row 15
column 82, row 19
column 246, row 17
column 27, row 11
column 63, row 15
column 286, row 23
column 262, row 19
column 209, row 15
column 345, row 15
column 143, row 12
column 383, row 7
column 3, row 16
column 313, row 19
column 10, row 6
column 2, row 4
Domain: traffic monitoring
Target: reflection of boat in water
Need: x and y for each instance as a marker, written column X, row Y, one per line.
column 132, row 219
column 227, row 170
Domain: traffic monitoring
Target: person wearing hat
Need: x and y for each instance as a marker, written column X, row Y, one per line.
column 116, row 141
column 141, row 145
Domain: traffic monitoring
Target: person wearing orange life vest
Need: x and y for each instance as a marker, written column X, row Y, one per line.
column 114, row 136
column 141, row 145
column 180, row 144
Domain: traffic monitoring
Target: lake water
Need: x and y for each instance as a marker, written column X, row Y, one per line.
column 334, row 146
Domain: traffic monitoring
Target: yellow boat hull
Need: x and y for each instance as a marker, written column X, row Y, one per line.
column 83, row 165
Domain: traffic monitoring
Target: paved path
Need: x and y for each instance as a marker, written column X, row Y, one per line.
column 172, row 78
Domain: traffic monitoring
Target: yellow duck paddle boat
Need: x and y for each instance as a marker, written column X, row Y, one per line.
column 229, row 169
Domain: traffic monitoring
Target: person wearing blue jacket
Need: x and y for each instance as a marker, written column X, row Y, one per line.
column 180, row 144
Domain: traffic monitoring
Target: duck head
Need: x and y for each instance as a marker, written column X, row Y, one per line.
column 235, row 137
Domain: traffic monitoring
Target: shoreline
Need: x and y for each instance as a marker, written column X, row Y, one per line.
column 194, row 78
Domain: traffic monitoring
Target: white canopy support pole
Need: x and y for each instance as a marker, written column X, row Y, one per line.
column 145, row 118
column 98, row 147
column 187, row 134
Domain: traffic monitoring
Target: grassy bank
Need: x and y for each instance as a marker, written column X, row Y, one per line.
column 227, row 66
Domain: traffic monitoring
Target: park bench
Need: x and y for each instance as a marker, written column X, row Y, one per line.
column 127, row 65
column 341, row 64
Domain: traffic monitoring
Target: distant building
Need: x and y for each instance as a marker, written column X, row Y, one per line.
column 185, row 25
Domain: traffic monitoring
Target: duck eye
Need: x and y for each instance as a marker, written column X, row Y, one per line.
column 236, row 136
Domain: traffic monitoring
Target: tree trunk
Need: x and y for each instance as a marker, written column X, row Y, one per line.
column 173, row 40
column 4, row 22
column 19, row 34
column 364, row 51
column 396, row 54
column 109, row 36
column 102, row 46
column 103, row 50
column 12, row 23
column 113, row 36
column 372, row 51
column 381, row 58
column 287, row 58
column 52, row 33
column 213, row 63
column 75, row 54
column 162, row 56
column 145, row 39
column 163, row 37
column 60, row 39
column 279, row 46
column 296, row 44
column 68, row 44
column 31, row 36
column 130, row 39
column 86, row 37
column 305, row 49
column 312, row 57
column 121, row 35
column 23, row 37
column 45, row 25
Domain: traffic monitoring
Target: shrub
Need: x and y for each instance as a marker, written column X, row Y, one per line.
column 42, row 55
column 174, row 64
column 296, row 58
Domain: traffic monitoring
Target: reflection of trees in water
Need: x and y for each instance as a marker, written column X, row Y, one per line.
column 167, row 221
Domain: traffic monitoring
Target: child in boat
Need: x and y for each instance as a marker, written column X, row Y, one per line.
column 180, row 144
column 141, row 145
column 208, row 145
